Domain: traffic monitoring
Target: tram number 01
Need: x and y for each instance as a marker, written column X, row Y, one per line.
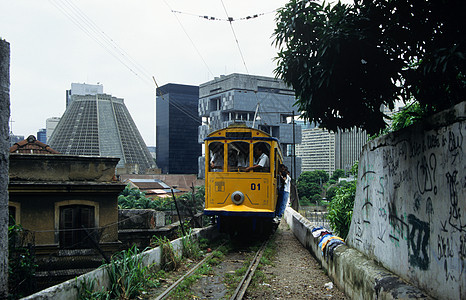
column 255, row 186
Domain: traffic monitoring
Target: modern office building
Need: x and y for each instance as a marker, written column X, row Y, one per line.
column 83, row 89
column 50, row 125
column 348, row 147
column 261, row 102
column 101, row 125
column 177, row 122
column 328, row 151
column 42, row 135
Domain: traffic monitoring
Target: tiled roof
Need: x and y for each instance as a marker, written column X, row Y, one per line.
column 32, row 146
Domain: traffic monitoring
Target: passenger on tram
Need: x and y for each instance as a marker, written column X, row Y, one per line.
column 261, row 163
column 216, row 158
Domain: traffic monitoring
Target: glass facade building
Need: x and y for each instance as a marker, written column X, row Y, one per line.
column 177, row 123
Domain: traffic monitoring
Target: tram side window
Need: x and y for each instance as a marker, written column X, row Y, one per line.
column 262, row 157
column 238, row 156
column 216, row 157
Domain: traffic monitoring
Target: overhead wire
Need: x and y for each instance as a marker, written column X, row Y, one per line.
column 234, row 34
column 80, row 18
column 189, row 38
column 176, row 105
column 230, row 19
column 86, row 25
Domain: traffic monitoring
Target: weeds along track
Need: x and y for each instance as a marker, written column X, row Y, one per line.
column 225, row 273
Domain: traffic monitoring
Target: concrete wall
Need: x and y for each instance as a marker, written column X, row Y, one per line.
column 68, row 289
column 409, row 212
column 4, row 146
column 353, row 273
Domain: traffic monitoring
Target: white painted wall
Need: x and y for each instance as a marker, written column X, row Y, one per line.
column 410, row 207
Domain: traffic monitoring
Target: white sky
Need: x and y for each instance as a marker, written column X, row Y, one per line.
column 49, row 51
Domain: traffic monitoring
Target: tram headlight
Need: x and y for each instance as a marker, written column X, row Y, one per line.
column 237, row 197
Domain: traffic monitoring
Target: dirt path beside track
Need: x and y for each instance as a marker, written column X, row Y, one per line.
column 294, row 274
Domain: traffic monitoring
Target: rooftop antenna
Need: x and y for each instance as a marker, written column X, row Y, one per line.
column 11, row 126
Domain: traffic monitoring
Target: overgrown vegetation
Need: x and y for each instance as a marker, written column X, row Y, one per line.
column 21, row 263
column 410, row 114
column 169, row 260
column 133, row 198
column 340, row 209
column 128, row 278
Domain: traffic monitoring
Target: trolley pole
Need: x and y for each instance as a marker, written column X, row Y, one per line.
column 178, row 212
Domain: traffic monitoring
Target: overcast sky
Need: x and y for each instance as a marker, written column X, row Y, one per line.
column 56, row 42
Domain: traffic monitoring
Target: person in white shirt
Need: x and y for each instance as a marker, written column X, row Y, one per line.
column 216, row 159
column 262, row 163
column 285, row 194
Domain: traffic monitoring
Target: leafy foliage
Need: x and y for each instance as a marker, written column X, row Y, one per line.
column 337, row 174
column 345, row 61
column 128, row 277
column 133, row 198
column 21, row 264
column 310, row 183
column 340, row 210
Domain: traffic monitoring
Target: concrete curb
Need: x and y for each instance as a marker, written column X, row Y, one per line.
column 68, row 289
column 355, row 274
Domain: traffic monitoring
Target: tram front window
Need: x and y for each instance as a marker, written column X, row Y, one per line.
column 216, row 157
column 261, row 157
column 238, row 156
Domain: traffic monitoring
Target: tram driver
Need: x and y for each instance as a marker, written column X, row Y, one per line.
column 261, row 162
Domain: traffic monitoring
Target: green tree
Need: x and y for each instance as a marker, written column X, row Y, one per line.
column 311, row 183
column 345, row 61
column 337, row 174
column 340, row 209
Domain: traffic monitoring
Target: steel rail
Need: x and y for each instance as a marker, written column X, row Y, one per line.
column 243, row 285
column 167, row 292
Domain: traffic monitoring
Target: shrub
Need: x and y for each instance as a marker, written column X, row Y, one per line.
column 340, row 210
column 21, row 263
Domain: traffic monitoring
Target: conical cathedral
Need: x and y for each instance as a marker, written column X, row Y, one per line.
column 98, row 124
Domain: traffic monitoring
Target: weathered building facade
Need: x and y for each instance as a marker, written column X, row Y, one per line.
column 261, row 102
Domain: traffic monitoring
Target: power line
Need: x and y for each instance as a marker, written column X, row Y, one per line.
column 192, row 42
column 176, row 105
column 234, row 34
column 229, row 19
column 85, row 24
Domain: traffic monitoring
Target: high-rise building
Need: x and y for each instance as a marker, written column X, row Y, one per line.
column 177, row 123
column 83, row 89
column 261, row 102
column 101, row 125
column 317, row 150
column 50, row 125
column 42, row 135
column 328, row 151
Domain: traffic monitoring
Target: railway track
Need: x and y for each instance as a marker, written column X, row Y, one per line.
column 236, row 259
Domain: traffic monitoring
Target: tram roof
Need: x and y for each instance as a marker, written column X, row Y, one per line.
column 226, row 133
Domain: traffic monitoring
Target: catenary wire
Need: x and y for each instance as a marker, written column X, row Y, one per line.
column 192, row 42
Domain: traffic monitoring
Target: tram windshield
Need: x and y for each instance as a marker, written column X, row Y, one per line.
column 216, row 157
column 238, row 156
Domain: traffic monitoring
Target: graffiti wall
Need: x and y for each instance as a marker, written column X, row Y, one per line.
column 410, row 207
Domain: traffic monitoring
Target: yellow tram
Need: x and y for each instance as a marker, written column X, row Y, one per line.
column 241, row 184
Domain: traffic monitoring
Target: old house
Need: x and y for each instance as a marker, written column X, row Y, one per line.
column 68, row 202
